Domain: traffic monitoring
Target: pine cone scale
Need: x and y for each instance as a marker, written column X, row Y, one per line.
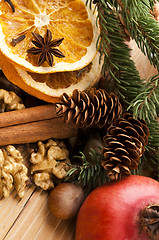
column 97, row 102
column 76, row 96
column 137, row 142
column 85, row 98
column 59, row 109
column 72, row 104
column 140, row 130
column 83, row 118
column 122, row 123
column 125, row 160
column 116, row 131
column 123, row 137
column 91, row 111
column 121, row 151
column 83, row 105
column 98, row 117
column 79, row 118
column 116, row 169
column 66, row 98
column 131, row 145
column 126, row 170
column 77, row 111
column 116, row 144
column 104, row 110
column 103, row 121
column 133, row 154
column 107, row 155
column 70, row 115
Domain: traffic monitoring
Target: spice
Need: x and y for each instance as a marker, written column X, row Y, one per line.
column 17, row 40
column 11, row 5
column 33, row 124
column 45, row 48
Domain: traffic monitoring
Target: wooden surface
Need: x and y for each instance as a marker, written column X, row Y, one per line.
column 146, row 70
column 29, row 218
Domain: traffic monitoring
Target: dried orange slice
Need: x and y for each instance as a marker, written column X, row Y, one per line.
column 49, row 87
column 70, row 20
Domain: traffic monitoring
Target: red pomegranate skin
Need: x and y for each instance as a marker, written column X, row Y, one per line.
column 111, row 212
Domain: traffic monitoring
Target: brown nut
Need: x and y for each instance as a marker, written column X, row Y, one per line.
column 65, row 200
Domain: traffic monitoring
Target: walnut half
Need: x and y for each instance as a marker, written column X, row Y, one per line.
column 13, row 173
column 50, row 160
column 10, row 101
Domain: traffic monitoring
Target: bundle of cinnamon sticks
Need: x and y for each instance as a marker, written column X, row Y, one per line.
column 33, row 124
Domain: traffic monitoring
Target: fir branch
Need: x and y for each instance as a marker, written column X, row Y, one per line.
column 146, row 35
column 142, row 27
column 145, row 104
column 88, row 172
column 154, row 134
column 135, row 8
column 117, row 61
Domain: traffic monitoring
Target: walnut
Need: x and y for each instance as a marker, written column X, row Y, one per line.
column 50, row 160
column 10, row 101
column 43, row 180
column 13, row 173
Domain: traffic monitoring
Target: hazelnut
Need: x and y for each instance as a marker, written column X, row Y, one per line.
column 65, row 200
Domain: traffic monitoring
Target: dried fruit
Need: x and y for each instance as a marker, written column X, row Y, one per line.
column 65, row 200
column 49, row 87
column 73, row 20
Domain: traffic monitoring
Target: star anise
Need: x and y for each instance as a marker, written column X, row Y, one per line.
column 45, row 48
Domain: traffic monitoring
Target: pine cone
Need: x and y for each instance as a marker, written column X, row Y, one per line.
column 125, row 142
column 92, row 108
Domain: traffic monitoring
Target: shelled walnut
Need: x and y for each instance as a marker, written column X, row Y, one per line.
column 10, row 101
column 50, row 160
column 13, row 173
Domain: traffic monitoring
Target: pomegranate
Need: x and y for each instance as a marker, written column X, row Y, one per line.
column 124, row 210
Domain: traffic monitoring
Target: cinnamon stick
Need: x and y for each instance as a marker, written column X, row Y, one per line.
column 32, row 114
column 33, row 124
column 32, row 132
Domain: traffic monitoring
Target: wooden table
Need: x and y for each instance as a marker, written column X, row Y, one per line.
column 29, row 218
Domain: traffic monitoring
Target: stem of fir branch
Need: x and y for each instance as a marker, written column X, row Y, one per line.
column 87, row 172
